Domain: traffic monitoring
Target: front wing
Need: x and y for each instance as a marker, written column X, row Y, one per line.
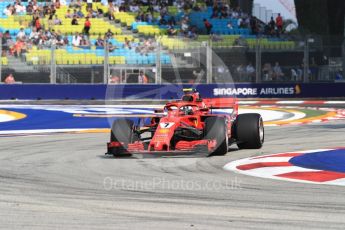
column 181, row 148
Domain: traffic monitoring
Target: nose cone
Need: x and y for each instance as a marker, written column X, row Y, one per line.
column 161, row 139
column 160, row 146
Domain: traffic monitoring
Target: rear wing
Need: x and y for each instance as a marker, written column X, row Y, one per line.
column 222, row 103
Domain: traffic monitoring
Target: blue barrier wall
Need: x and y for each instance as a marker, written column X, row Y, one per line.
column 100, row 92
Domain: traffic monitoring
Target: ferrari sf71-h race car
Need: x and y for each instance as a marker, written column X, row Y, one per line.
column 187, row 126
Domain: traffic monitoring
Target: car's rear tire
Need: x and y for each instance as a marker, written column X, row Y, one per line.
column 249, row 131
column 216, row 129
column 122, row 131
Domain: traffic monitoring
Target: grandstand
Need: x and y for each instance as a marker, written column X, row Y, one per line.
column 133, row 41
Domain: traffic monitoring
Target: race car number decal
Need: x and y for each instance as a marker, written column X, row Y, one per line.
column 166, row 125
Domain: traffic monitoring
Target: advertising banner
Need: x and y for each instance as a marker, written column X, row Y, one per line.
column 168, row 91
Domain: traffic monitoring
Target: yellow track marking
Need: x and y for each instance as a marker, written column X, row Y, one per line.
column 15, row 115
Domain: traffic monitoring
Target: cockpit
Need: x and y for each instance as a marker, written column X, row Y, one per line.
column 175, row 110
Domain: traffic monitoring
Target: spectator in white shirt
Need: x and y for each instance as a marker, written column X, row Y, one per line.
column 229, row 25
column 19, row 8
column 33, row 34
column 250, row 71
column 239, row 22
column 277, row 72
column 21, row 34
column 7, row 11
column 76, row 40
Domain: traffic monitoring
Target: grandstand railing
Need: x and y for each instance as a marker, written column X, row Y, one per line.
column 205, row 59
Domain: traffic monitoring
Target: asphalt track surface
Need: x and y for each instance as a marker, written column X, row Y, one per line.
column 63, row 181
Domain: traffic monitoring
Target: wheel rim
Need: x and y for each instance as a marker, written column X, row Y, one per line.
column 261, row 130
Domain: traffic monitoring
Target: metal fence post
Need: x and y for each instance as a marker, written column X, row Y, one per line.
column 106, row 71
column 306, row 61
column 0, row 59
column 258, row 60
column 158, row 78
column 52, row 66
column 343, row 57
column 209, row 63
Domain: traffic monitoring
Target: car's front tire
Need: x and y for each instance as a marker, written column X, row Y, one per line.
column 122, row 131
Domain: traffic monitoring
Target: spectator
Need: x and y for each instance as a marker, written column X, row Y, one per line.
column 267, row 72
column 114, row 79
column 229, row 25
column 142, row 78
column 171, row 30
column 109, row 34
column 250, row 72
column 87, row 26
column 50, row 21
column 134, row 8
column 37, row 24
column 279, row 23
column 85, row 41
column 21, row 34
column 4, row 41
column 127, row 44
column 76, row 3
column 69, row 14
column 272, row 26
column 74, row 21
column 294, row 75
column 8, row 10
column 57, row 4
column 99, row 42
column 277, row 72
column 224, row 12
column 162, row 21
column 198, row 75
column 184, row 26
column 123, row 8
column 111, row 11
column 89, row 4
column 76, row 40
column 111, row 47
column 57, row 21
column 192, row 34
column 18, row 48
column 240, row 72
column 19, row 8
column 80, row 14
column 149, row 18
column 34, row 36
column 208, row 26
column 60, row 40
column 75, row 13
column 29, row 8
column 215, row 11
column 9, row 79
column 91, row 13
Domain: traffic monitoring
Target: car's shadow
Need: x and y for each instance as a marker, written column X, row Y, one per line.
column 160, row 155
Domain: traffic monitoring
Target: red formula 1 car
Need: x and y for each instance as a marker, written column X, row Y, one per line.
column 190, row 125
